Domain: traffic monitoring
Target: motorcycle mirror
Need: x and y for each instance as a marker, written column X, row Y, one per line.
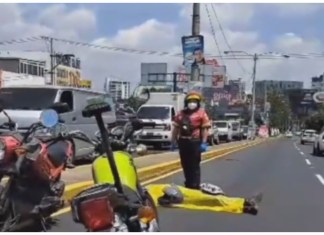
column 60, row 107
column 49, row 118
column 145, row 95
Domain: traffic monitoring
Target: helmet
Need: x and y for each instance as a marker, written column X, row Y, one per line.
column 172, row 195
column 193, row 95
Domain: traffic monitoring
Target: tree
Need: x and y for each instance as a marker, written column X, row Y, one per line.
column 316, row 121
column 280, row 110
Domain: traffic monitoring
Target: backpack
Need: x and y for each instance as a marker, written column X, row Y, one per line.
column 186, row 127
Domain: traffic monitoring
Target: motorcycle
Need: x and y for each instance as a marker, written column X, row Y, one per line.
column 34, row 189
column 9, row 141
column 117, row 202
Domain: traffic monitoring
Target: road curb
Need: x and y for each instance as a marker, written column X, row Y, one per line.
column 151, row 172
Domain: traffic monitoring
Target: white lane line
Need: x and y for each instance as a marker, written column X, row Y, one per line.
column 320, row 178
column 302, row 153
column 308, row 162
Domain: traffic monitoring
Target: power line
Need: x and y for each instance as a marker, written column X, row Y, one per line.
column 117, row 49
column 21, row 40
column 214, row 33
column 225, row 38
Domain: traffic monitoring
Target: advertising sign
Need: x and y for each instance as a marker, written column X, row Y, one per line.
column 193, row 50
column 318, row 97
column 85, row 83
column 227, row 95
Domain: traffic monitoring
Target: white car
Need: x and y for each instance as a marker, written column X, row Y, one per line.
column 289, row 134
column 318, row 146
column 308, row 136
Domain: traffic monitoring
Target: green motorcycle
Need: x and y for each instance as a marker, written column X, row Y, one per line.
column 117, row 202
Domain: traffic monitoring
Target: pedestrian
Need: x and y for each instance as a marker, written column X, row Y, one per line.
column 190, row 132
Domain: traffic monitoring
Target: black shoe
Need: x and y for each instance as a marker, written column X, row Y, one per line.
column 251, row 205
column 70, row 165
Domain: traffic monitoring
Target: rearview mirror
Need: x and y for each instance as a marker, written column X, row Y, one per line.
column 60, row 107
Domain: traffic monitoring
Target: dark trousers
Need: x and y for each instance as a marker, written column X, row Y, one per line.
column 190, row 156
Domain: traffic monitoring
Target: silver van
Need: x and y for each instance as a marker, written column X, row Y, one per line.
column 25, row 103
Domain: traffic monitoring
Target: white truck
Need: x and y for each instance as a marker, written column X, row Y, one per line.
column 161, row 109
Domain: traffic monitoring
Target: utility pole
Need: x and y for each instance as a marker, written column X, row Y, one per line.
column 52, row 60
column 255, row 59
column 195, row 73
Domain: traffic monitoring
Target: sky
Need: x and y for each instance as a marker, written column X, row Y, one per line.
column 255, row 28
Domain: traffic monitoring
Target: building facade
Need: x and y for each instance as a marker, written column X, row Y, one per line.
column 119, row 90
column 266, row 86
column 318, row 83
column 66, row 72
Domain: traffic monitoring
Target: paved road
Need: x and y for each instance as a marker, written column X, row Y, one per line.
column 293, row 194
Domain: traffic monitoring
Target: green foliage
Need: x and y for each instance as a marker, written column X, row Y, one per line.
column 280, row 111
column 316, row 121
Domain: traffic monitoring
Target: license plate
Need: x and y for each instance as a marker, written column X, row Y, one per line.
column 149, row 134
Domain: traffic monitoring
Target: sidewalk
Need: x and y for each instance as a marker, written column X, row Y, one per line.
column 84, row 173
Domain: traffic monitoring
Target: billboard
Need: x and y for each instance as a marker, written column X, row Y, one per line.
column 154, row 73
column 226, row 96
column 193, row 50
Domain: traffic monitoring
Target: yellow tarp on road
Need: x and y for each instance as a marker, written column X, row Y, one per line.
column 197, row 200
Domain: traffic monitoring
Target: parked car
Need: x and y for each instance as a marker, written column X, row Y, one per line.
column 245, row 132
column 215, row 135
column 308, row 136
column 318, row 146
column 289, row 134
column 225, row 131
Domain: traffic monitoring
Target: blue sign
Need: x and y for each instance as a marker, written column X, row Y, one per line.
column 193, row 50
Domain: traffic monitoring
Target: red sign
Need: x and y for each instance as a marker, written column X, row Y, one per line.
column 212, row 62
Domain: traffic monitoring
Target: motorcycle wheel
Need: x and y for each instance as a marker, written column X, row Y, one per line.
column 6, row 221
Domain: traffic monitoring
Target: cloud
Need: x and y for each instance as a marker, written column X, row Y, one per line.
column 80, row 24
column 297, row 9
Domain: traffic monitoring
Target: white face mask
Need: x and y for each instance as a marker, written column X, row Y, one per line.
column 192, row 105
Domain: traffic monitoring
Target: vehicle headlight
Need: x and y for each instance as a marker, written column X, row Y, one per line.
column 2, row 151
column 2, row 154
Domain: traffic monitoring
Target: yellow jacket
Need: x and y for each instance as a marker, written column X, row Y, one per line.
column 197, row 200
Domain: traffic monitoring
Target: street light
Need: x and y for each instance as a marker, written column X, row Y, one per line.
column 255, row 58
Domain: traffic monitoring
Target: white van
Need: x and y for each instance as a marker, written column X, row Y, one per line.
column 25, row 103
column 225, row 130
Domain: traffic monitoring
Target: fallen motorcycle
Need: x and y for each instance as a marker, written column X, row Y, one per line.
column 34, row 190
column 117, row 202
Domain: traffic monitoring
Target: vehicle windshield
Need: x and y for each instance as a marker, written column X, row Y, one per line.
column 221, row 124
column 27, row 98
column 154, row 113
column 307, row 133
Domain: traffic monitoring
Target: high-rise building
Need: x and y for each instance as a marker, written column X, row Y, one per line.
column 318, row 83
column 119, row 90
column 266, row 86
